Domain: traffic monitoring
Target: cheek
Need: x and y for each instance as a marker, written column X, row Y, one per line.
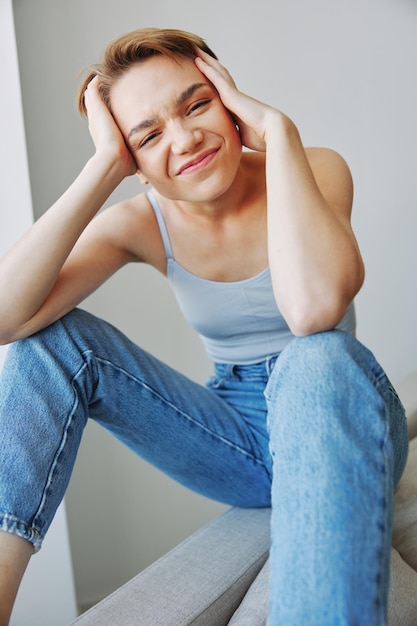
column 151, row 164
column 233, row 129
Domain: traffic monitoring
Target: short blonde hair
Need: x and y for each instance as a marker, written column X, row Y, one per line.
column 135, row 47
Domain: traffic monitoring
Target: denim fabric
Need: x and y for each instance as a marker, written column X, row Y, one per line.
column 82, row 367
column 339, row 444
column 335, row 442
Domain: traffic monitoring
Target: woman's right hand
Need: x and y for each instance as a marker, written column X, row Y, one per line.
column 107, row 138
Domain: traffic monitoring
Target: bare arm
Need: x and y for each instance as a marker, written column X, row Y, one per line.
column 315, row 263
column 30, row 273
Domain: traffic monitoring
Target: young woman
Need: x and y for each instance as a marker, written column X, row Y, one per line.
column 258, row 248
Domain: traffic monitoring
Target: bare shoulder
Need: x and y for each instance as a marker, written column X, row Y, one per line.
column 327, row 158
column 333, row 177
column 130, row 228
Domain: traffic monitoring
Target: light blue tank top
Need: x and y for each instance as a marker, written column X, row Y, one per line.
column 238, row 322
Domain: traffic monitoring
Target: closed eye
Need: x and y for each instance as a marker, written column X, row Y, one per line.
column 147, row 139
column 199, row 105
column 193, row 108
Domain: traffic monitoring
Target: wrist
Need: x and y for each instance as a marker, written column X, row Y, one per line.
column 278, row 126
column 111, row 166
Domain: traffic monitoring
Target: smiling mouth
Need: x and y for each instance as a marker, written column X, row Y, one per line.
column 198, row 163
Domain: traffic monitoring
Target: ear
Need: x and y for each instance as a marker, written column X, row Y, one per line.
column 142, row 178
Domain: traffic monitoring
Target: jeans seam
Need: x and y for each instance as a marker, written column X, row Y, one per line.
column 60, row 448
column 185, row 415
column 384, row 522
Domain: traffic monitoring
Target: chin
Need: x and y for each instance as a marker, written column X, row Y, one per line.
column 208, row 190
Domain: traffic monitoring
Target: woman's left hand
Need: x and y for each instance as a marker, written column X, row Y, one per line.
column 250, row 115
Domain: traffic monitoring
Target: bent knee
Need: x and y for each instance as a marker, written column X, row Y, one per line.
column 321, row 353
column 328, row 342
column 324, row 361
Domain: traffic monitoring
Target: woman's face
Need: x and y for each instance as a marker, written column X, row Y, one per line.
column 183, row 139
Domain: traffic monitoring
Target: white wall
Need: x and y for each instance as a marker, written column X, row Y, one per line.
column 344, row 70
column 47, row 595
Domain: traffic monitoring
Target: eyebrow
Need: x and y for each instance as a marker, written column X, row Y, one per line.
column 183, row 97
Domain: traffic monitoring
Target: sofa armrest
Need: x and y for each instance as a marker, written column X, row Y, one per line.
column 201, row 581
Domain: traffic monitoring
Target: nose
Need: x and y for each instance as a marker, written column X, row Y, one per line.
column 184, row 137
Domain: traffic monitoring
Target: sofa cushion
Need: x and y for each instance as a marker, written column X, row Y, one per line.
column 253, row 610
column 402, row 601
column 405, row 511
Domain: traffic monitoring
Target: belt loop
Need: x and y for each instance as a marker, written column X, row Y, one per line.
column 230, row 370
column 269, row 363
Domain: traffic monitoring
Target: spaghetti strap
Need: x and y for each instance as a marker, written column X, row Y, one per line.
column 161, row 223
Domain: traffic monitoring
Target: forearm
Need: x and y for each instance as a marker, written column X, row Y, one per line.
column 315, row 263
column 30, row 269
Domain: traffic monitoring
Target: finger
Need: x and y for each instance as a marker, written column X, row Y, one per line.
column 223, row 86
column 91, row 91
column 214, row 64
column 207, row 57
column 94, row 103
column 93, row 87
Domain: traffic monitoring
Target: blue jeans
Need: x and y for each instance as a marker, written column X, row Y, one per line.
column 317, row 431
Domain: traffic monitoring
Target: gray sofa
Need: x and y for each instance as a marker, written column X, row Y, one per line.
column 219, row 575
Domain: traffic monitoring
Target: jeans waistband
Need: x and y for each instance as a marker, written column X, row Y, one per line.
column 261, row 369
